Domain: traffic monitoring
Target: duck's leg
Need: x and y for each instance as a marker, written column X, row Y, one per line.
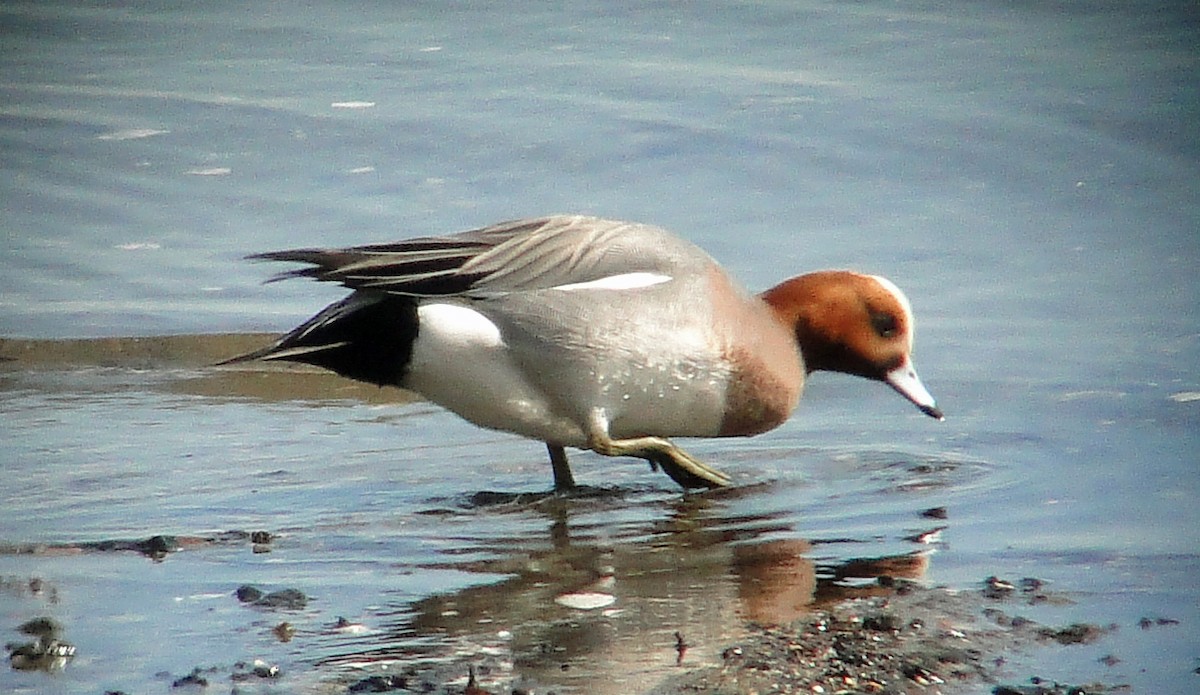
column 675, row 462
column 563, row 480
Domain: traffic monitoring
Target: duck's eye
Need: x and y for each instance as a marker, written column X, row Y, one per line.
column 885, row 325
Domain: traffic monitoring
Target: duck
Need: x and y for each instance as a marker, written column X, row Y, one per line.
column 595, row 334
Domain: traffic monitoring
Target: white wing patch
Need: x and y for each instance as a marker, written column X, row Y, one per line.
column 624, row 281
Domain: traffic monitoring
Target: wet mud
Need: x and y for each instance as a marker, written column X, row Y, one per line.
column 155, row 547
column 187, row 359
column 915, row 640
column 906, row 640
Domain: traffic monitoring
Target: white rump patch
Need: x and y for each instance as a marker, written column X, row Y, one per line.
column 457, row 325
column 624, row 281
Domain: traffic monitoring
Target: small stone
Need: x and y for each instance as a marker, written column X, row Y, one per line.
column 284, row 631
column 585, row 600
column 379, row 684
column 884, row 622
column 996, row 588
column 193, row 678
column 289, row 599
column 1077, row 633
column 41, row 627
column 1031, row 584
column 158, row 545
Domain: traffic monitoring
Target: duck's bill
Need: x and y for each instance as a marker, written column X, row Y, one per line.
column 905, row 380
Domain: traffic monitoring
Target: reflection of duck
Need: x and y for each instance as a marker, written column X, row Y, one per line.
column 696, row 571
column 778, row 584
column 596, row 334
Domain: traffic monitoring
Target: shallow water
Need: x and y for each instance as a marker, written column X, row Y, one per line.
column 1026, row 172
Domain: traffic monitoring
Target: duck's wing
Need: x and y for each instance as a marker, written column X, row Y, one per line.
column 521, row 255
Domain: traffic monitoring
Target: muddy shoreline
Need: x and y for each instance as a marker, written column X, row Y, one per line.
column 917, row 640
column 897, row 637
column 913, row 640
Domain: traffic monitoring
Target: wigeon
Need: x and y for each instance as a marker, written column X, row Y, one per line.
column 596, row 334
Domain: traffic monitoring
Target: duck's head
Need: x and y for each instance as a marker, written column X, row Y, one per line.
column 856, row 324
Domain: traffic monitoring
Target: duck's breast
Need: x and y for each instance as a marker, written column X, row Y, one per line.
column 766, row 370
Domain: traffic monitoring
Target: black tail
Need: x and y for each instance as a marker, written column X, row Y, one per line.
column 366, row 336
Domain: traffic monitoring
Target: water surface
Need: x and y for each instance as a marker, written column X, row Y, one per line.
column 1027, row 173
